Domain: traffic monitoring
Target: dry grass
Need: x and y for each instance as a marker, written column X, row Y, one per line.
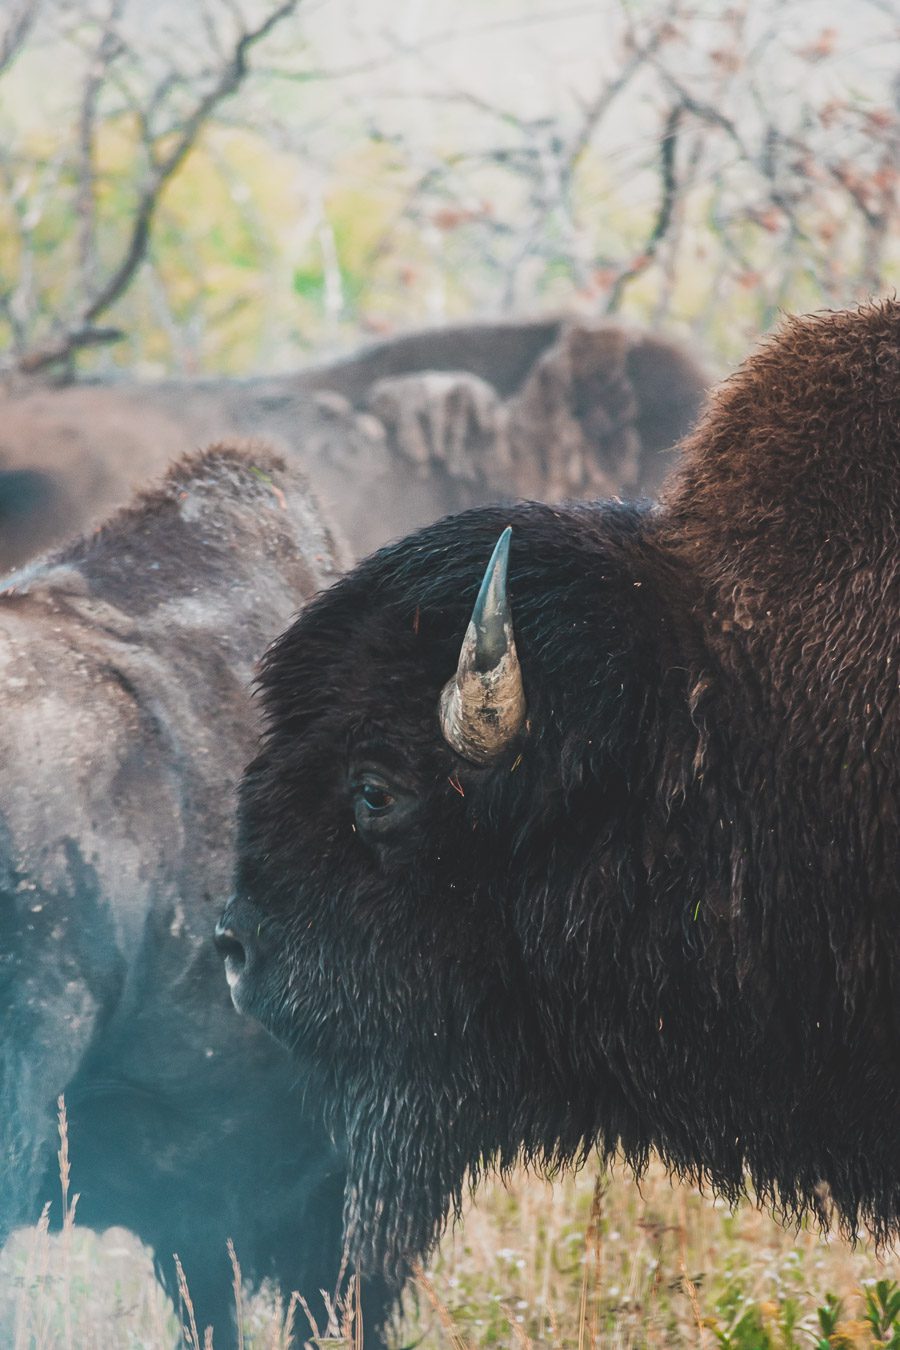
column 597, row 1262
column 591, row 1262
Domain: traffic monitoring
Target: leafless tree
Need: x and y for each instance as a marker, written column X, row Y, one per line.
column 738, row 146
column 170, row 95
column 728, row 160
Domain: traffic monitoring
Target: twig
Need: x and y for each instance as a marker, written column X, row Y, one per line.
column 16, row 33
column 83, row 332
column 599, row 106
column 668, row 145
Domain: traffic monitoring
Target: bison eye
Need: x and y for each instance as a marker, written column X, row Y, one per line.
column 375, row 797
column 381, row 806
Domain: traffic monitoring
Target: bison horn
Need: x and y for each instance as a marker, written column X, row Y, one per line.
column 483, row 706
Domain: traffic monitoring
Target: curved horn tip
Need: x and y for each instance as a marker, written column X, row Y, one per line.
column 490, row 615
column 482, row 708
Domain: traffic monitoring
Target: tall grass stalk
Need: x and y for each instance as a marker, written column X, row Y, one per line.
column 444, row 1315
column 186, row 1310
column 68, row 1217
column 237, row 1286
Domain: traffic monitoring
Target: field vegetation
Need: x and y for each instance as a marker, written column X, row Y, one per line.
column 591, row 1261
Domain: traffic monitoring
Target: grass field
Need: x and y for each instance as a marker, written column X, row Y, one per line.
column 592, row 1262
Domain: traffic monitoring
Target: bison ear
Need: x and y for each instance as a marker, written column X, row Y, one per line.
column 483, row 707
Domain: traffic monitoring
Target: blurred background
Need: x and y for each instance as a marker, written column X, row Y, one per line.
column 236, row 186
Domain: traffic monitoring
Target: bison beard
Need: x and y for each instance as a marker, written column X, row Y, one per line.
column 664, row 915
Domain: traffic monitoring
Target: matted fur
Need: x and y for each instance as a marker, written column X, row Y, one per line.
column 125, row 718
column 669, row 917
column 397, row 434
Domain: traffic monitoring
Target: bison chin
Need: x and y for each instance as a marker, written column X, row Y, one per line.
column 413, row 1153
column 406, row 1175
column 420, row 1105
column 415, row 1137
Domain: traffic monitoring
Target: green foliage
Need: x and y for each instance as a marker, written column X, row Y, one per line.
column 883, row 1313
column 740, row 1324
column 829, row 1315
column 309, row 283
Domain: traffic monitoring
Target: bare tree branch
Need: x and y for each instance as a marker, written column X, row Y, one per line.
column 769, row 184
column 60, row 351
column 599, row 106
column 229, row 80
column 85, row 199
column 165, row 163
column 669, row 188
column 13, row 38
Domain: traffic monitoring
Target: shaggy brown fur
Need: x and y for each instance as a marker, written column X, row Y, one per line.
column 667, row 916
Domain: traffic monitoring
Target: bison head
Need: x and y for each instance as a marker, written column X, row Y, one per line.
column 427, row 895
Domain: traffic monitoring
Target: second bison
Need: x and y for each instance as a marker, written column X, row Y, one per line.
column 125, row 719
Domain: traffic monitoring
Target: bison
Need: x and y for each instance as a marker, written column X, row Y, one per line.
column 600, row 847
column 396, row 435
column 125, row 719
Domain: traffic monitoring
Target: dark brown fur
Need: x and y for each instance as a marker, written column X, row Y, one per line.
column 667, row 916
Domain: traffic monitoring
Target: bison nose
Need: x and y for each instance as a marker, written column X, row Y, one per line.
column 238, row 939
column 230, row 947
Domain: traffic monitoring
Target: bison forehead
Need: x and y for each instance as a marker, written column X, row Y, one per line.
column 391, row 630
column 353, row 687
